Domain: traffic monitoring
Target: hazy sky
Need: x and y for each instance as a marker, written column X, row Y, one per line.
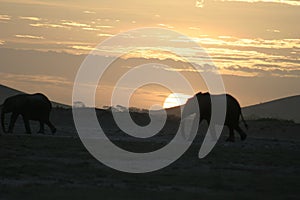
column 255, row 44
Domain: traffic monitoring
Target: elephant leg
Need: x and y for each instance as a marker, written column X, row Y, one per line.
column 212, row 130
column 51, row 126
column 27, row 125
column 189, row 136
column 42, row 129
column 12, row 122
column 241, row 132
column 231, row 135
column 213, row 133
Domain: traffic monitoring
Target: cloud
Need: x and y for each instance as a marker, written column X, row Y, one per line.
column 29, row 36
column 40, row 3
column 2, row 42
column 31, row 18
column 40, row 79
column 289, row 2
column 266, row 70
column 228, row 50
column 224, row 37
column 74, row 24
column 48, row 25
column 194, row 28
column 199, row 3
column 90, row 29
column 248, row 42
column 104, row 26
column 81, row 47
column 273, row 30
column 165, row 25
column 5, row 17
column 287, row 60
column 105, row 35
column 89, row 12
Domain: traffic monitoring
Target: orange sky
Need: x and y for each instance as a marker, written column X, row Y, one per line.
column 255, row 44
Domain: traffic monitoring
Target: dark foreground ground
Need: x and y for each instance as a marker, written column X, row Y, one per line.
column 265, row 166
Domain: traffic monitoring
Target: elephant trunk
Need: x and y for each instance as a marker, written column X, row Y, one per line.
column 2, row 121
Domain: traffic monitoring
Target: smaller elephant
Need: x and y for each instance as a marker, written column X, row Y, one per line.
column 202, row 103
column 32, row 107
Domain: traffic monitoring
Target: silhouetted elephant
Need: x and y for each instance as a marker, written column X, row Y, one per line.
column 233, row 112
column 32, row 107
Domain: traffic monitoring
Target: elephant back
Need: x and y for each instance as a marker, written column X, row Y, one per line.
column 39, row 101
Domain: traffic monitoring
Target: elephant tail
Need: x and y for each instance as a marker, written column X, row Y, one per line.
column 246, row 125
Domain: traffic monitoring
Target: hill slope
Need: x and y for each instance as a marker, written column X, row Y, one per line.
column 7, row 92
column 286, row 108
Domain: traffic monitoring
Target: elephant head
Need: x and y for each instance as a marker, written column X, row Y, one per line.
column 191, row 107
column 7, row 107
column 3, row 111
column 10, row 105
column 2, row 120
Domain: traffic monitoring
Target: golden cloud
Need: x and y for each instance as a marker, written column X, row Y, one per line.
column 5, row 17
column 31, row 18
column 48, row 25
column 105, row 35
column 74, row 24
column 29, row 36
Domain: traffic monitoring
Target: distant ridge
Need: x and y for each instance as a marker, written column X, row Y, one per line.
column 6, row 92
column 287, row 108
column 176, row 111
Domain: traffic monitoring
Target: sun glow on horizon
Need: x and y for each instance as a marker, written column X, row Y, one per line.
column 175, row 99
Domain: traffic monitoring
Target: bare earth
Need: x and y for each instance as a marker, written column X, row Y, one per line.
column 265, row 166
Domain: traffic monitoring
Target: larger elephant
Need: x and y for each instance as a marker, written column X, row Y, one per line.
column 32, row 107
column 232, row 116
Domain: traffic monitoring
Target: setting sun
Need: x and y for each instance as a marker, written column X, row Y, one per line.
column 176, row 99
